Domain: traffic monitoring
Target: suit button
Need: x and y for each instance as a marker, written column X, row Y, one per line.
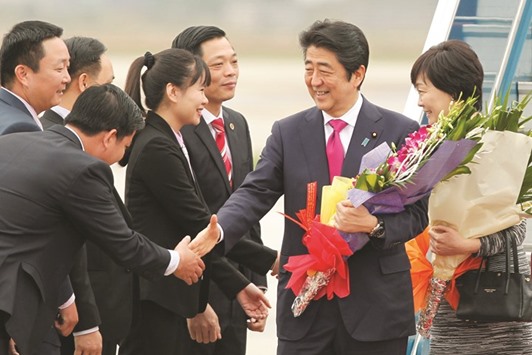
column 128, row 270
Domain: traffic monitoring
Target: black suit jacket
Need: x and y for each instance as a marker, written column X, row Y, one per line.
column 50, row 118
column 212, row 178
column 113, row 287
column 94, row 274
column 380, row 304
column 166, row 205
column 54, row 196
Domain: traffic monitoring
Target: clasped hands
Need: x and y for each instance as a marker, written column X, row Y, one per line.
column 191, row 266
column 205, row 327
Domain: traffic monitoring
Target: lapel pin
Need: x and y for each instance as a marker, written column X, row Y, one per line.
column 232, row 126
column 365, row 142
column 373, row 134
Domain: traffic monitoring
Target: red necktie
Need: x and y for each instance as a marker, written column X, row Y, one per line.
column 335, row 149
column 221, row 143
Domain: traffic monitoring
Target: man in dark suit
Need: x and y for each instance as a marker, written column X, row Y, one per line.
column 56, row 192
column 377, row 316
column 33, row 72
column 216, row 183
column 102, row 314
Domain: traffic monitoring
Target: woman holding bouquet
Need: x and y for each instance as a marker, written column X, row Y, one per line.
column 444, row 73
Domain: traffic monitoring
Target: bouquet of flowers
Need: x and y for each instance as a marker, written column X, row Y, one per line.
column 495, row 195
column 388, row 180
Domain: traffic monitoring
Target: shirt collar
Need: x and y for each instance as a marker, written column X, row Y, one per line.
column 350, row 117
column 209, row 117
column 79, row 138
column 61, row 111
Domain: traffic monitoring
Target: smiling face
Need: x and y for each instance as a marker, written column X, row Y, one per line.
column 431, row 99
column 190, row 103
column 327, row 82
column 44, row 88
column 223, row 66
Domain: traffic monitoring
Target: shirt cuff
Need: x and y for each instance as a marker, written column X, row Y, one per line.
column 84, row 332
column 173, row 264
column 221, row 233
column 69, row 302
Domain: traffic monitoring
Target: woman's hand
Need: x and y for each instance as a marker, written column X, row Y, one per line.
column 446, row 241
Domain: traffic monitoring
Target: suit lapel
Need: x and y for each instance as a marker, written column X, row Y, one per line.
column 312, row 137
column 122, row 208
column 204, row 134
column 67, row 133
column 365, row 136
column 232, row 140
column 53, row 116
column 164, row 128
column 13, row 101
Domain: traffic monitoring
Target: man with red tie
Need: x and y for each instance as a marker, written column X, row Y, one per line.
column 221, row 156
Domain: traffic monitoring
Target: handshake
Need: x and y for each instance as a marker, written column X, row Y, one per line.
column 191, row 268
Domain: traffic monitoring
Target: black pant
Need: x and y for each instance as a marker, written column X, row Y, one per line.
column 335, row 340
column 158, row 331
column 4, row 337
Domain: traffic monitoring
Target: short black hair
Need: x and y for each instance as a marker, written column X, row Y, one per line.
column 192, row 38
column 452, row 67
column 85, row 55
column 103, row 108
column 23, row 45
column 345, row 40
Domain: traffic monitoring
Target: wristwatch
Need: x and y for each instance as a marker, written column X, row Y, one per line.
column 378, row 231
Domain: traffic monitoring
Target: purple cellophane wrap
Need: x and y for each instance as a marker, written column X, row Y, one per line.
column 434, row 298
column 393, row 199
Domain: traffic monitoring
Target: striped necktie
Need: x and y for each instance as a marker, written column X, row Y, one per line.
column 221, row 143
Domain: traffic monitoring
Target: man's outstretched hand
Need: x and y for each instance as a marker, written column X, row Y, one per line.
column 190, row 264
column 207, row 238
column 253, row 302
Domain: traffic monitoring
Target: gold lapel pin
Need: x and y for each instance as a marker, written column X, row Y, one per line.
column 373, row 134
column 232, row 126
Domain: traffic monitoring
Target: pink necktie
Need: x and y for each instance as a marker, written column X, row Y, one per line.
column 221, row 143
column 335, row 149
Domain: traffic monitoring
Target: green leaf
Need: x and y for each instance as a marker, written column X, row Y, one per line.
column 458, row 171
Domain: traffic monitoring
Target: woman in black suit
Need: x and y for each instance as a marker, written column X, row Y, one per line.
column 166, row 203
column 161, row 193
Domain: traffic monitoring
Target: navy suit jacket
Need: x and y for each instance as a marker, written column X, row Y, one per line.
column 380, row 304
column 14, row 116
column 54, row 196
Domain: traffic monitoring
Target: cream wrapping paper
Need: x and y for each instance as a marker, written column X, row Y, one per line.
column 483, row 202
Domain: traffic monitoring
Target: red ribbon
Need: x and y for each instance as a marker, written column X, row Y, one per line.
column 327, row 250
